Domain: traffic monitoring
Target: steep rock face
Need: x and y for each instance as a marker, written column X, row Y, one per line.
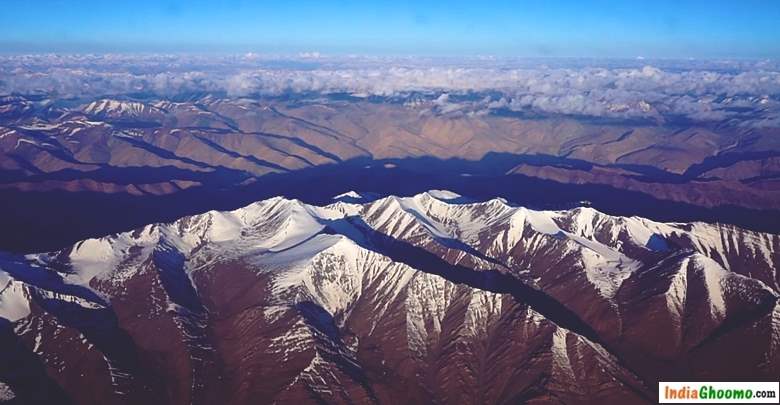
column 396, row 299
column 604, row 268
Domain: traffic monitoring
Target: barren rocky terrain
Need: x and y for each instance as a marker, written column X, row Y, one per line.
column 417, row 299
column 98, row 150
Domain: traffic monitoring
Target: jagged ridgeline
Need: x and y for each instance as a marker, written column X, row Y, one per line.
column 158, row 159
column 390, row 300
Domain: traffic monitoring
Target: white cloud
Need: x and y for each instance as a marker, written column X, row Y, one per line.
column 699, row 90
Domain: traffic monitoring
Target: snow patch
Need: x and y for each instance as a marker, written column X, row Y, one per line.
column 560, row 356
column 90, row 258
column 444, row 195
column 6, row 393
column 714, row 276
column 14, row 304
column 224, row 227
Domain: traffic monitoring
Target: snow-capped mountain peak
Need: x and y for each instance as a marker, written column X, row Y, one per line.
column 335, row 296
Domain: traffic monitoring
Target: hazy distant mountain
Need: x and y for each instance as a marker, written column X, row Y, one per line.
column 170, row 154
column 715, row 164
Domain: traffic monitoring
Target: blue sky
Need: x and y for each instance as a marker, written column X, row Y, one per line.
column 590, row 28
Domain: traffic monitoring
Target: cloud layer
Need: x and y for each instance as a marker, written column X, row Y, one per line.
column 697, row 90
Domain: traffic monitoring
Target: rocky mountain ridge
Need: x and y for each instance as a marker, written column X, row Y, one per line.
column 416, row 299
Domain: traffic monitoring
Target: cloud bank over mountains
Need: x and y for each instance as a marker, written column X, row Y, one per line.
column 748, row 91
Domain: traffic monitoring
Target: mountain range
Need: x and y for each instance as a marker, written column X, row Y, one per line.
column 158, row 159
column 435, row 297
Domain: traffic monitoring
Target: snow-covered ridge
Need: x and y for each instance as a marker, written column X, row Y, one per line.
column 118, row 108
column 604, row 247
column 305, row 284
column 355, row 197
column 14, row 304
